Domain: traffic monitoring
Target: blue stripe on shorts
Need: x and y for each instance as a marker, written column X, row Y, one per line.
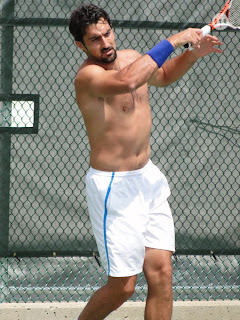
column 105, row 220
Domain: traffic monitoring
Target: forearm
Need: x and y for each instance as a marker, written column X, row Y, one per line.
column 140, row 71
column 173, row 69
column 176, row 67
column 137, row 73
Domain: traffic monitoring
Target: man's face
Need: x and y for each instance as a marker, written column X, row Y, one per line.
column 99, row 42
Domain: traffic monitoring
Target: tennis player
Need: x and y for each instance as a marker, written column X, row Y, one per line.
column 126, row 193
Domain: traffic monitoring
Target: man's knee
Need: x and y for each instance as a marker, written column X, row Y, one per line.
column 165, row 274
column 158, row 270
column 127, row 292
column 122, row 287
column 159, row 282
column 160, row 275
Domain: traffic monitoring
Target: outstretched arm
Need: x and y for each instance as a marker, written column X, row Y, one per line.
column 175, row 68
column 98, row 82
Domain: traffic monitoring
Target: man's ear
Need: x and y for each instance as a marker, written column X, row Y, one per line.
column 80, row 45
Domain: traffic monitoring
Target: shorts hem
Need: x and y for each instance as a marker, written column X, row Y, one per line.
column 172, row 249
column 125, row 274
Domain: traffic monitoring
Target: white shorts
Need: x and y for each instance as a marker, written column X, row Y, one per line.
column 129, row 211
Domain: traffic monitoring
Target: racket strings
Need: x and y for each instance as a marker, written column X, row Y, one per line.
column 234, row 13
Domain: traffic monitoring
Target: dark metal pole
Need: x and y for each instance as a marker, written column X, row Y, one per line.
column 5, row 138
column 5, row 145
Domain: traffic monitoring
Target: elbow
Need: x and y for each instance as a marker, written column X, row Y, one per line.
column 166, row 80
column 130, row 85
column 128, row 81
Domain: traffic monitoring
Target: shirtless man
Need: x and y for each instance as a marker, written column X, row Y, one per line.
column 126, row 193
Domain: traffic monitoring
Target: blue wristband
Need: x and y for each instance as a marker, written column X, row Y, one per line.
column 161, row 52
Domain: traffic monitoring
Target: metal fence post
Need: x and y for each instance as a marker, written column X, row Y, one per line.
column 5, row 142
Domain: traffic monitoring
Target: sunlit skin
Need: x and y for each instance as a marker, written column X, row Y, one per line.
column 118, row 126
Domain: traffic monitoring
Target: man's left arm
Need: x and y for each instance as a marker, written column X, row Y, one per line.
column 173, row 69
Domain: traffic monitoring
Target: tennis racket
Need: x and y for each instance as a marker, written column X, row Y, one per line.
column 229, row 17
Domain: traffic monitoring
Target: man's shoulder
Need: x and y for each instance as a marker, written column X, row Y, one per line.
column 130, row 53
column 86, row 71
column 88, row 67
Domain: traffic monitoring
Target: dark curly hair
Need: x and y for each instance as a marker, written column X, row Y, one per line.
column 84, row 16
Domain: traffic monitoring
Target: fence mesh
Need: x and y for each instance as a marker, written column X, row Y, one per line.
column 195, row 142
column 75, row 279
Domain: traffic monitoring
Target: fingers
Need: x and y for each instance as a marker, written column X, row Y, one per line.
column 212, row 41
column 207, row 45
column 217, row 50
column 195, row 36
column 198, row 39
column 190, row 35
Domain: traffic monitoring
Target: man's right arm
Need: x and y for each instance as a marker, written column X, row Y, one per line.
column 99, row 82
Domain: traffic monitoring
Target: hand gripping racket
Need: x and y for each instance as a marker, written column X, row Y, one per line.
column 229, row 16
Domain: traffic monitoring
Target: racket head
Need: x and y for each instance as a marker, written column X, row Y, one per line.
column 234, row 13
column 229, row 16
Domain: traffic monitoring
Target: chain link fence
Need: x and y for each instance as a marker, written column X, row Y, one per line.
column 47, row 248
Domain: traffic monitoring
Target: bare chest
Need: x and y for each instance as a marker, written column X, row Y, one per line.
column 129, row 102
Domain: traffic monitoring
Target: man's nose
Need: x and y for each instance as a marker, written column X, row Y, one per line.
column 105, row 42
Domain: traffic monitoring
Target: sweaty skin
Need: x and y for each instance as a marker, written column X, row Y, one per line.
column 118, row 126
column 117, row 116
